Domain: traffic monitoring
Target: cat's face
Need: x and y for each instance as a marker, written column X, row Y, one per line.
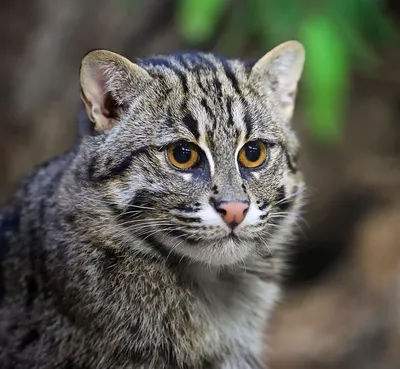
column 201, row 162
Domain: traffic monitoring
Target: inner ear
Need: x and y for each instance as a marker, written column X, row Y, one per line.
column 108, row 83
column 105, row 113
column 101, row 106
column 112, row 109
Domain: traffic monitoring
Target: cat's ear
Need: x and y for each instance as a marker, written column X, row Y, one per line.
column 278, row 72
column 108, row 84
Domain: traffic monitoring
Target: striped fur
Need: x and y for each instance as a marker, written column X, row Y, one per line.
column 113, row 258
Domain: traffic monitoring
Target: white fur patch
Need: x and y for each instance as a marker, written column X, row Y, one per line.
column 210, row 217
column 202, row 118
column 252, row 217
column 187, row 176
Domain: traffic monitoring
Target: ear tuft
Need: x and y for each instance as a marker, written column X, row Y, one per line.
column 278, row 72
column 108, row 80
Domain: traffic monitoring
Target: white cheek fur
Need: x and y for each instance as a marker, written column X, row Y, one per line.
column 210, row 217
column 252, row 217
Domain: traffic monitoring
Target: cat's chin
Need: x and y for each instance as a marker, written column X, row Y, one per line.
column 224, row 251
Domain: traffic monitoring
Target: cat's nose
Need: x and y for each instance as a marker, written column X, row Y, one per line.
column 232, row 213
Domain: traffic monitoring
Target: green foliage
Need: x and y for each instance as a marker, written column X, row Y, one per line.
column 198, row 19
column 326, row 72
column 339, row 35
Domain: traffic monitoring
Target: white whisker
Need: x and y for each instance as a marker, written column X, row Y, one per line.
column 298, row 192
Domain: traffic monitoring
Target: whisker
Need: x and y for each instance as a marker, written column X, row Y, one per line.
column 127, row 205
column 298, row 192
column 173, row 249
column 135, row 230
column 274, row 225
column 264, row 242
column 143, row 221
column 280, row 215
column 168, row 228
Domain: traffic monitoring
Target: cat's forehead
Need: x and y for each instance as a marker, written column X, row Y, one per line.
column 198, row 74
column 209, row 96
column 214, row 119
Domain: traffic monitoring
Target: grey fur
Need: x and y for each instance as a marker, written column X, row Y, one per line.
column 106, row 261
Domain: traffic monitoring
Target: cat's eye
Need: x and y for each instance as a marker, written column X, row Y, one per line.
column 253, row 154
column 183, row 155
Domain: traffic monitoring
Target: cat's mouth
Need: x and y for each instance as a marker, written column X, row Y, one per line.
column 233, row 236
column 217, row 248
column 193, row 239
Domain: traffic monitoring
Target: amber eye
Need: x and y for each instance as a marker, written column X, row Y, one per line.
column 183, row 155
column 253, row 154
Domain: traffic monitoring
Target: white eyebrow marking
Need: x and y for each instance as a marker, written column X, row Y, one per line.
column 238, row 117
column 240, row 145
column 201, row 117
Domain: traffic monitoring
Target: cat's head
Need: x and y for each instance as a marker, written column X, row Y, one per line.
column 194, row 153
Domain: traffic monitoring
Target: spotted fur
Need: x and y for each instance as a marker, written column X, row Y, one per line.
column 112, row 258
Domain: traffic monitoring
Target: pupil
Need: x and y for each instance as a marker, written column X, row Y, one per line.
column 182, row 153
column 253, row 152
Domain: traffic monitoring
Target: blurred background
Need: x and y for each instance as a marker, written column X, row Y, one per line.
column 342, row 306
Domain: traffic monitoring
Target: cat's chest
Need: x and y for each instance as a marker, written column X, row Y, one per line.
column 237, row 307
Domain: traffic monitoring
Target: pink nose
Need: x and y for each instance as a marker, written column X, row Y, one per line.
column 232, row 213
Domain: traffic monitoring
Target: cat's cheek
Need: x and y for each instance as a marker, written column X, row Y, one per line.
column 209, row 217
column 252, row 217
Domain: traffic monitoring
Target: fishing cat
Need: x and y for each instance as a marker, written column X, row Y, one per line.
column 159, row 240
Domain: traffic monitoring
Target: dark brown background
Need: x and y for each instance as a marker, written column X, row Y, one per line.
column 342, row 304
